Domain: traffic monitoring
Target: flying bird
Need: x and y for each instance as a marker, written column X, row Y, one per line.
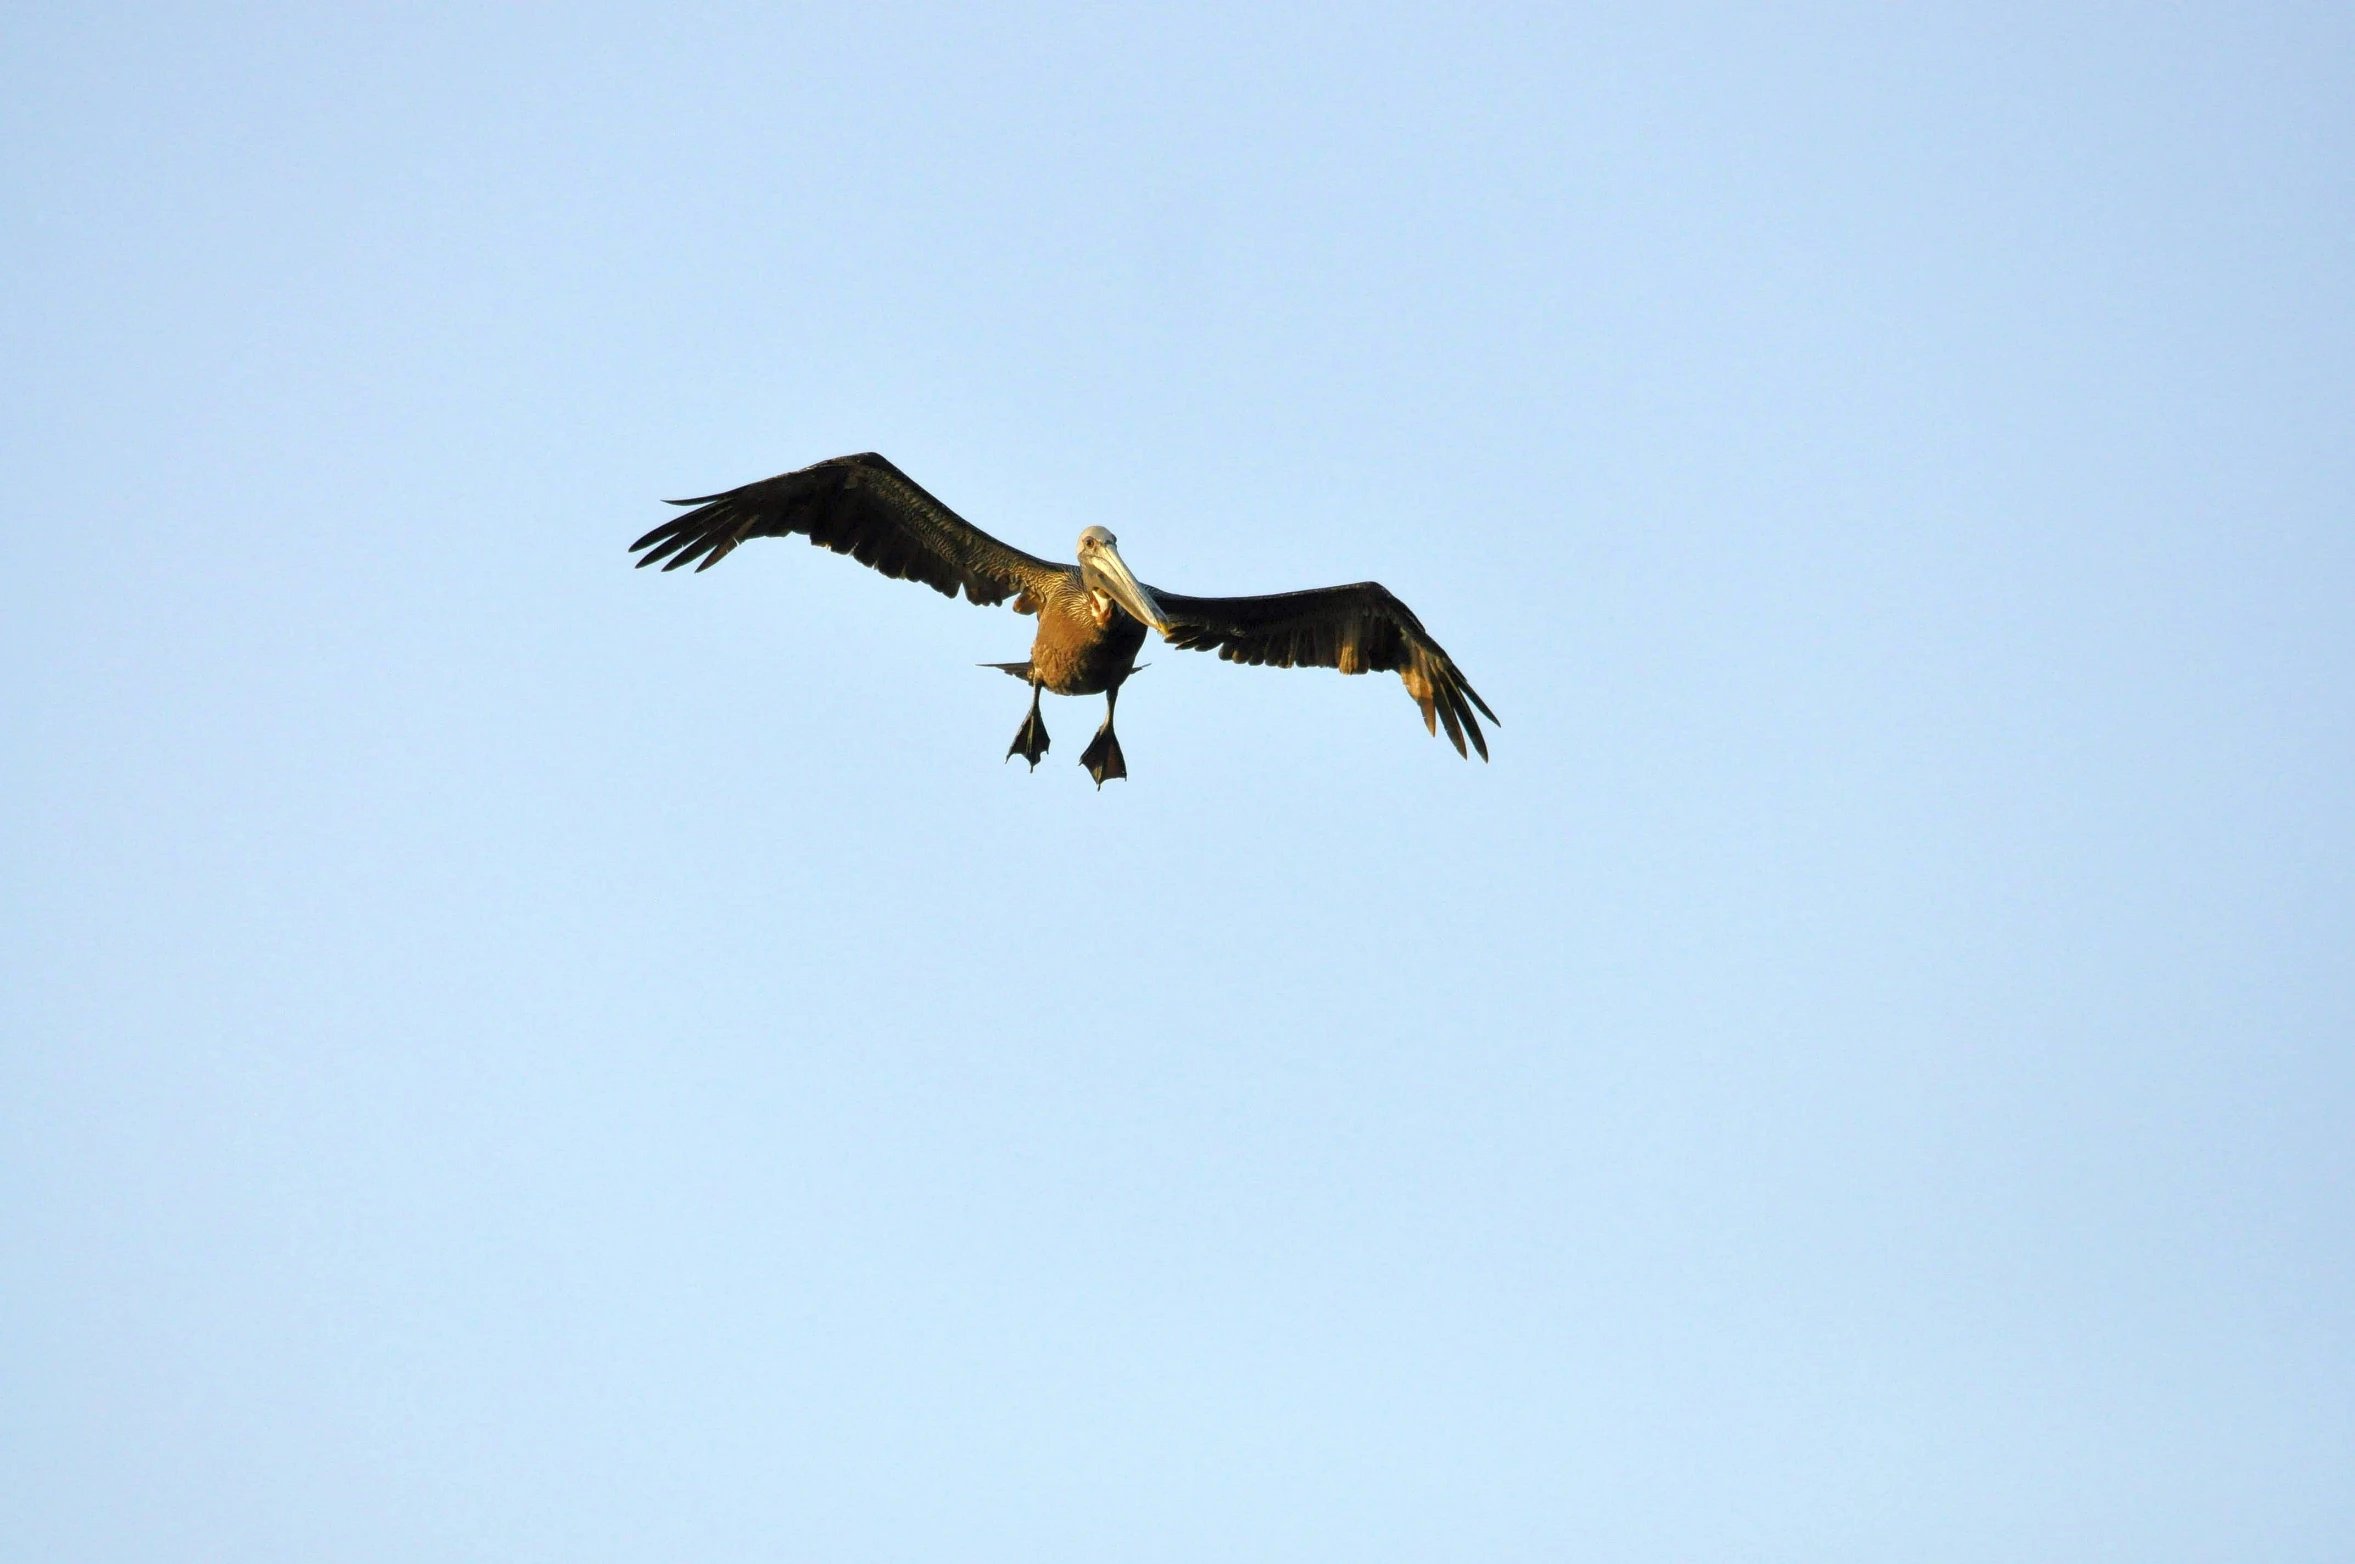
column 1092, row 616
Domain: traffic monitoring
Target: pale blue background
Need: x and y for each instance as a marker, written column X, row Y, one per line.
column 511, row 1058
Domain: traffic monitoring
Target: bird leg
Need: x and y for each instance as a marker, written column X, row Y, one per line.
column 1103, row 758
column 1031, row 741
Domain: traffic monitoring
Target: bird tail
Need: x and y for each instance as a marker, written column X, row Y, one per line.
column 1020, row 670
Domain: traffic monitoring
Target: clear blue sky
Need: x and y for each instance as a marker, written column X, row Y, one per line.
column 508, row 1057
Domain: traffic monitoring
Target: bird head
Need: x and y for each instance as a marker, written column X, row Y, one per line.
column 1101, row 569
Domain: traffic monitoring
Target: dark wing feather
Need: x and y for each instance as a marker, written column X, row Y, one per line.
column 1356, row 629
column 856, row 505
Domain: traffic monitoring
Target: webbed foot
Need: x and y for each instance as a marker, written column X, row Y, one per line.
column 1030, row 741
column 1103, row 758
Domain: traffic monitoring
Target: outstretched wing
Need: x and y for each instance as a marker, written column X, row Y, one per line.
column 856, row 505
column 1356, row 629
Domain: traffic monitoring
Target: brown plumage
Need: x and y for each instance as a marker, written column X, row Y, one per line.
column 1092, row 615
column 1357, row 629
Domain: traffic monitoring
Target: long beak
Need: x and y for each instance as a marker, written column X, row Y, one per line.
column 1127, row 590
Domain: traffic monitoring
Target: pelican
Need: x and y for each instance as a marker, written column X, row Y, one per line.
column 1092, row 616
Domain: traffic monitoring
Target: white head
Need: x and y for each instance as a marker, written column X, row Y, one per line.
column 1101, row 569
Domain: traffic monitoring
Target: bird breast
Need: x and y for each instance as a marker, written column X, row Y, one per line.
column 1083, row 649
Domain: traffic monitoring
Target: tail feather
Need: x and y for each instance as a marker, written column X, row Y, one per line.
column 1020, row 670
